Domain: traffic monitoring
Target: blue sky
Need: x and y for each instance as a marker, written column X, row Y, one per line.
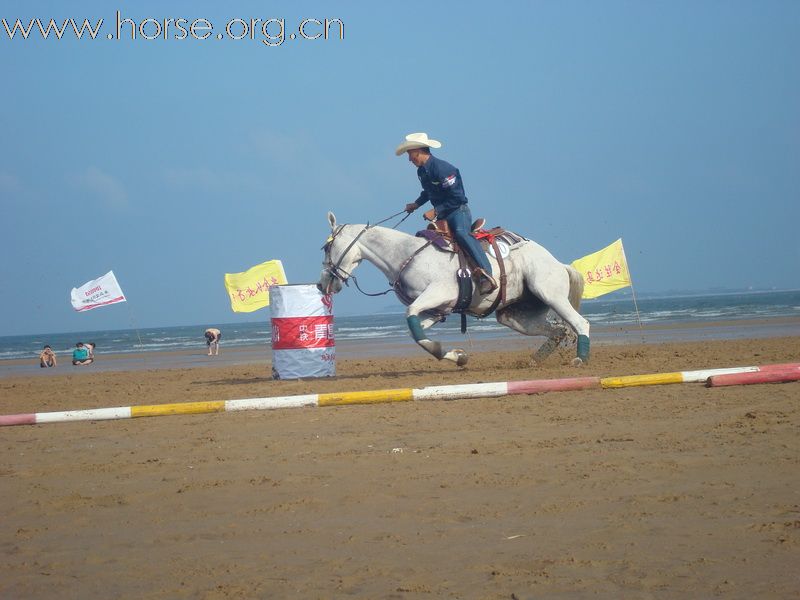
column 674, row 125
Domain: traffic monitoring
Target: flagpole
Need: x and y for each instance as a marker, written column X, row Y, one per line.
column 135, row 327
column 633, row 291
column 636, row 306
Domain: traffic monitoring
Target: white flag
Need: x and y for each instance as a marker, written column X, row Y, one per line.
column 98, row 292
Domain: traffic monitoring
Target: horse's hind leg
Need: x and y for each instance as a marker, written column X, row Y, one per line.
column 572, row 317
column 529, row 319
column 554, row 289
column 550, row 344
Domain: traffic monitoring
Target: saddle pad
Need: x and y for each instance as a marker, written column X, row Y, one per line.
column 436, row 238
column 504, row 248
column 511, row 238
column 506, row 240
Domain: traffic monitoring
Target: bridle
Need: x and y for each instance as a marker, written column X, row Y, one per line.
column 335, row 271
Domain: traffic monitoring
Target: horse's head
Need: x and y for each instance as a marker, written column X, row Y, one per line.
column 342, row 255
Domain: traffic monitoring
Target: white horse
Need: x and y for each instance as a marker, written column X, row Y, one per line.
column 424, row 279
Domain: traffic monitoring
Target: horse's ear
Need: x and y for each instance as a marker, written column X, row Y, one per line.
column 332, row 220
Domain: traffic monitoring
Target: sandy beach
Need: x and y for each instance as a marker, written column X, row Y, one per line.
column 675, row 491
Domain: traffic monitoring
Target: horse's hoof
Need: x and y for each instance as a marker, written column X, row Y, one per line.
column 577, row 362
column 458, row 356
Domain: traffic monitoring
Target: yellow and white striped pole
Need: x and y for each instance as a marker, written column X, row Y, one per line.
column 439, row 392
column 666, row 378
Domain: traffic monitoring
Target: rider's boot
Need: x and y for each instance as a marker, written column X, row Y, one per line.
column 486, row 283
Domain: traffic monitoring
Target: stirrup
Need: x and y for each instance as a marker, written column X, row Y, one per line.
column 486, row 283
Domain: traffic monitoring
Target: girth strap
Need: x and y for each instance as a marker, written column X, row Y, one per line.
column 501, row 295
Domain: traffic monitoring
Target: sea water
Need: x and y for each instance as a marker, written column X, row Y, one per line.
column 391, row 327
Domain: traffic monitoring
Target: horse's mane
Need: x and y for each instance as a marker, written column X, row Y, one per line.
column 394, row 235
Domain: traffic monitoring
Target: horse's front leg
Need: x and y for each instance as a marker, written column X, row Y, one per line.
column 431, row 300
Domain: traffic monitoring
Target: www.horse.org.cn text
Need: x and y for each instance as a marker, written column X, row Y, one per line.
column 270, row 32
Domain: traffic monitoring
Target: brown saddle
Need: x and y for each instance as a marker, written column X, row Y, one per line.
column 443, row 228
column 485, row 237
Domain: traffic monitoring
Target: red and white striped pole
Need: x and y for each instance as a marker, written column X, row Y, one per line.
column 728, row 376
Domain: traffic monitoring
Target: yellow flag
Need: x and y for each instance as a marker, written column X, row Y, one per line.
column 604, row 271
column 249, row 291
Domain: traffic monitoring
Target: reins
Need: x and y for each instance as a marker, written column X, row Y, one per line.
column 336, row 270
column 408, row 214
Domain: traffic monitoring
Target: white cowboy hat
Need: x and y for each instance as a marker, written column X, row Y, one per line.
column 417, row 140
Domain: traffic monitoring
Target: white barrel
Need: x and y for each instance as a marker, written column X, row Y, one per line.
column 302, row 332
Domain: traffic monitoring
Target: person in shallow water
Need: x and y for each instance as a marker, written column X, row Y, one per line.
column 213, row 336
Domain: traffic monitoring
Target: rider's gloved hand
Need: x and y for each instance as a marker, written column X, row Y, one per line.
column 411, row 207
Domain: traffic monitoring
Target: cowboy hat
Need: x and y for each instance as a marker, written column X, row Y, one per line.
column 417, row 140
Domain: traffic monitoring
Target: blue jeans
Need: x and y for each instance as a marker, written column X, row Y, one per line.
column 460, row 221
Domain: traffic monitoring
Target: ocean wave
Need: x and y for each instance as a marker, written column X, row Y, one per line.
column 371, row 335
column 372, row 327
column 392, row 326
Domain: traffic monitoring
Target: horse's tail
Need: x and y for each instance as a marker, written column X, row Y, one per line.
column 576, row 284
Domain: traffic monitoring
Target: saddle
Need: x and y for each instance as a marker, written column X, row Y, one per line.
column 442, row 227
column 439, row 234
column 438, row 231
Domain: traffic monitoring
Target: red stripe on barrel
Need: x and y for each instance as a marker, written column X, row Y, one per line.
column 770, row 376
column 538, row 386
column 297, row 333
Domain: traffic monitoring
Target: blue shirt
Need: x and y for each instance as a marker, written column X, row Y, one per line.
column 442, row 185
column 80, row 354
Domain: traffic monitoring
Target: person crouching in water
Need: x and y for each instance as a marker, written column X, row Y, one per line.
column 213, row 337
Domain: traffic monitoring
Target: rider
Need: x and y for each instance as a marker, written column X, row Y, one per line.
column 442, row 185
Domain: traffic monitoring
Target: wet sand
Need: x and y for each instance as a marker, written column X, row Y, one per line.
column 674, row 491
